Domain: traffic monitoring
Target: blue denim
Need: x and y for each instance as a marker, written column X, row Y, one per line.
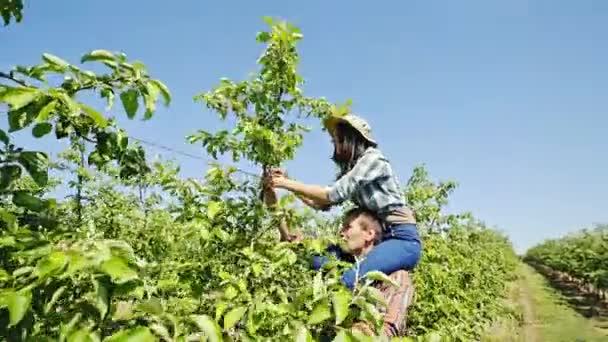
column 400, row 249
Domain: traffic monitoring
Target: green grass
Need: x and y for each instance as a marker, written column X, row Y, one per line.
column 542, row 314
column 555, row 320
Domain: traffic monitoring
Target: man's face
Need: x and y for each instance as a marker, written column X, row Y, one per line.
column 355, row 237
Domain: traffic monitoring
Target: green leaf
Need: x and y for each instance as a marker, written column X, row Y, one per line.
column 231, row 292
column 4, row 276
column 17, row 120
column 4, row 137
column 118, row 269
column 17, row 303
column 19, row 97
column 55, row 61
column 99, row 119
column 268, row 20
column 320, row 313
column 41, row 129
column 379, row 276
column 23, row 271
column 45, row 112
column 82, row 335
column 139, row 334
column 102, row 297
column 263, row 37
column 341, row 301
column 54, row 299
column 151, row 306
column 161, row 331
column 9, row 174
column 208, row 326
column 98, row 55
column 164, row 91
column 130, row 102
column 72, row 106
column 303, row 335
column 7, row 217
column 109, row 94
column 342, row 336
column 36, row 164
column 23, row 199
column 51, row 263
column 150, row 97
column 213, row 208
column 233, row 316
column 318, row 287
column 375, row 295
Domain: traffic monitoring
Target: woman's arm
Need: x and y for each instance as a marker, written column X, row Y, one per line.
column 313, row 204
column 318, row 195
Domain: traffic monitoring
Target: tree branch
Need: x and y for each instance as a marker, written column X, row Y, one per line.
column 11, row 77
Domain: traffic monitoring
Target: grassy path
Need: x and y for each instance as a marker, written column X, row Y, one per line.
column 546, row 314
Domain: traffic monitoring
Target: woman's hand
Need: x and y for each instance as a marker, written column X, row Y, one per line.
column 269, row 196
column 277, row 178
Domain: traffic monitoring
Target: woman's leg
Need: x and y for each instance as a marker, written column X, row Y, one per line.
column 387, row 257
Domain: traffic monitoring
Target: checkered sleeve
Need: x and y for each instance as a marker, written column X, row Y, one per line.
column 368, row 168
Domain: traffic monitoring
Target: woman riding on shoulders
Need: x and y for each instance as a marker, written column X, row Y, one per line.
column 368, row 180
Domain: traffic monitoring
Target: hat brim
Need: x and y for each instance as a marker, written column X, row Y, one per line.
column 331, row 122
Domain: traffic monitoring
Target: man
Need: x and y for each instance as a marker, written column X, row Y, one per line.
column 360, row 232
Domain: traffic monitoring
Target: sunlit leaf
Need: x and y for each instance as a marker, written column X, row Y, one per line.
column 379, row 276
column 139, row 334
column 97, row 117
column 102, row 297
column 19, row 97
column 118, row 269
column 233, row 316
column 17, row 303
column 341, row 301
column 51, row 263
column 320, row 313
column 98, row 55
column 208, row 326
column 213, row 208
column 55, row 61
column 164, row 91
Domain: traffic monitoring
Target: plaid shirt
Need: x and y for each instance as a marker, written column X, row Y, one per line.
column 370, row 184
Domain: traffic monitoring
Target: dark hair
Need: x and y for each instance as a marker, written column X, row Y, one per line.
column 373, row 222
column 349, row 146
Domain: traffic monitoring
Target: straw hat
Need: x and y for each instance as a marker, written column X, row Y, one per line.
column 354, row 121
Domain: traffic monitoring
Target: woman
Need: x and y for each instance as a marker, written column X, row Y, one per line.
column 367, row 179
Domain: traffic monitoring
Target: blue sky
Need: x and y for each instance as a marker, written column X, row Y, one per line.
column 509, row 98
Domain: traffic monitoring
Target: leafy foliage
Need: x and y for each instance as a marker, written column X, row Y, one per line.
column 139, row 254
column 583, row 255
column 11, row 9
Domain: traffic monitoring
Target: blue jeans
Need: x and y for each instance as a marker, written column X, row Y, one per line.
column 400, row 249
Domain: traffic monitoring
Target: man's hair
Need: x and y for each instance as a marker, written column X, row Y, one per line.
column 371, row 222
